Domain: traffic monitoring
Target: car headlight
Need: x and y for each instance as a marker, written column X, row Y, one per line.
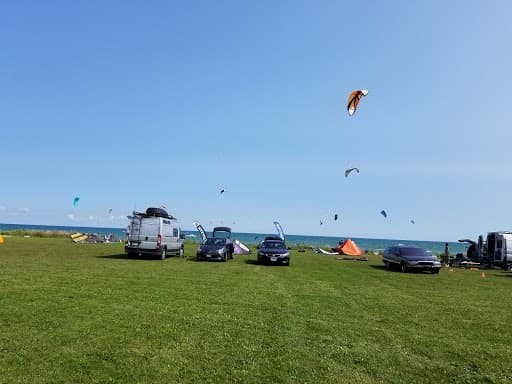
column 287, row 254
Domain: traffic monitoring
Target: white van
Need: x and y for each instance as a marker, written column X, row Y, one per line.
column 154, row 233
column 499, row 249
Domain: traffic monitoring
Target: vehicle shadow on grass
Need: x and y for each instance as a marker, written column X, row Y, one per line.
column 255, row 262
column 121, row 256
column 116, row 256
column 382, row 268
column 397, row 270
column 504, row 274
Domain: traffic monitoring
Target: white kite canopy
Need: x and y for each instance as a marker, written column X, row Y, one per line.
column 201, row 230
column 279, row 230
column 240, row 248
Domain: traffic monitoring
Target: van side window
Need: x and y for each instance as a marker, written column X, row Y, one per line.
column 499, row 243
column 175, row 232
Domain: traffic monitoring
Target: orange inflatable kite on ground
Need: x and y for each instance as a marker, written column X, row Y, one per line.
column 1, row 239
column 348, row 247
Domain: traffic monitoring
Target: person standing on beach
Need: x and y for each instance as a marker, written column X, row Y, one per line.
column 446, row 253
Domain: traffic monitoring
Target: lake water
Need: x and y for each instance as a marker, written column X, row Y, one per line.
column 254, row 238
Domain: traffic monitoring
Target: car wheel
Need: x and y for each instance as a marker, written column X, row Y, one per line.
column 164, row 254
column 435, row 270
column 403, row 268
column 386, row 265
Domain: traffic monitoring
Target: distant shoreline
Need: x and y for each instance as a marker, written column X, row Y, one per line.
column 327, row 242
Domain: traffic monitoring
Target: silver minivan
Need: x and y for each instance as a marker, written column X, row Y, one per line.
column 154, row 233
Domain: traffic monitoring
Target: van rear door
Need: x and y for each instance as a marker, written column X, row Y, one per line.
column 149, row 230
column 134, row 229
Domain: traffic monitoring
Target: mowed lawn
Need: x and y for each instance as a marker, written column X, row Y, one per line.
column 85, row 313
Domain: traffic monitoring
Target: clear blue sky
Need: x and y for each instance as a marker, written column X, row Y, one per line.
column 134, row 104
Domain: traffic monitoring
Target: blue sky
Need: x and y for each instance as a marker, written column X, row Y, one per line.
column 130, row 104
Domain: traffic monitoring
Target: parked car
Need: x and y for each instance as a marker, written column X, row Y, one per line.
column 216, row 248
column 273, row 250
column 408, row 257
column 153, row 233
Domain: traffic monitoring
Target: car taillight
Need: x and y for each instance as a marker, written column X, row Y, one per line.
column 127, row 235
column 159, row 240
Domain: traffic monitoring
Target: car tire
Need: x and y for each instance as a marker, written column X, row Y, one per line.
column 436, row 271
column 386, row 265
column 403, row 268
column 164, row 254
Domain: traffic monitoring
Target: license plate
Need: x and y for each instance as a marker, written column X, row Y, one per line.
column 273, row 259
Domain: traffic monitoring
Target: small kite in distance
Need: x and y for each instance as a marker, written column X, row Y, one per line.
column 222, row 191
column 110, row 211
column 354, row 99
column 75, row 201
column 321, row 222
column 384, row 213
column 412, row 221
column 349, row 170
column 335, row 216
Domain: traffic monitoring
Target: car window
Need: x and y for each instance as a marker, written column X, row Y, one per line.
column 273, row 244
column 215, row 241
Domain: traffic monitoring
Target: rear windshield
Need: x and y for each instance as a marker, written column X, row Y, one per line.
column 272, row 244
column 215, row 241
column 411, row 251
column 222, row 234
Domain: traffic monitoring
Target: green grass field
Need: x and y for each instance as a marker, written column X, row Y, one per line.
column 84, row 313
